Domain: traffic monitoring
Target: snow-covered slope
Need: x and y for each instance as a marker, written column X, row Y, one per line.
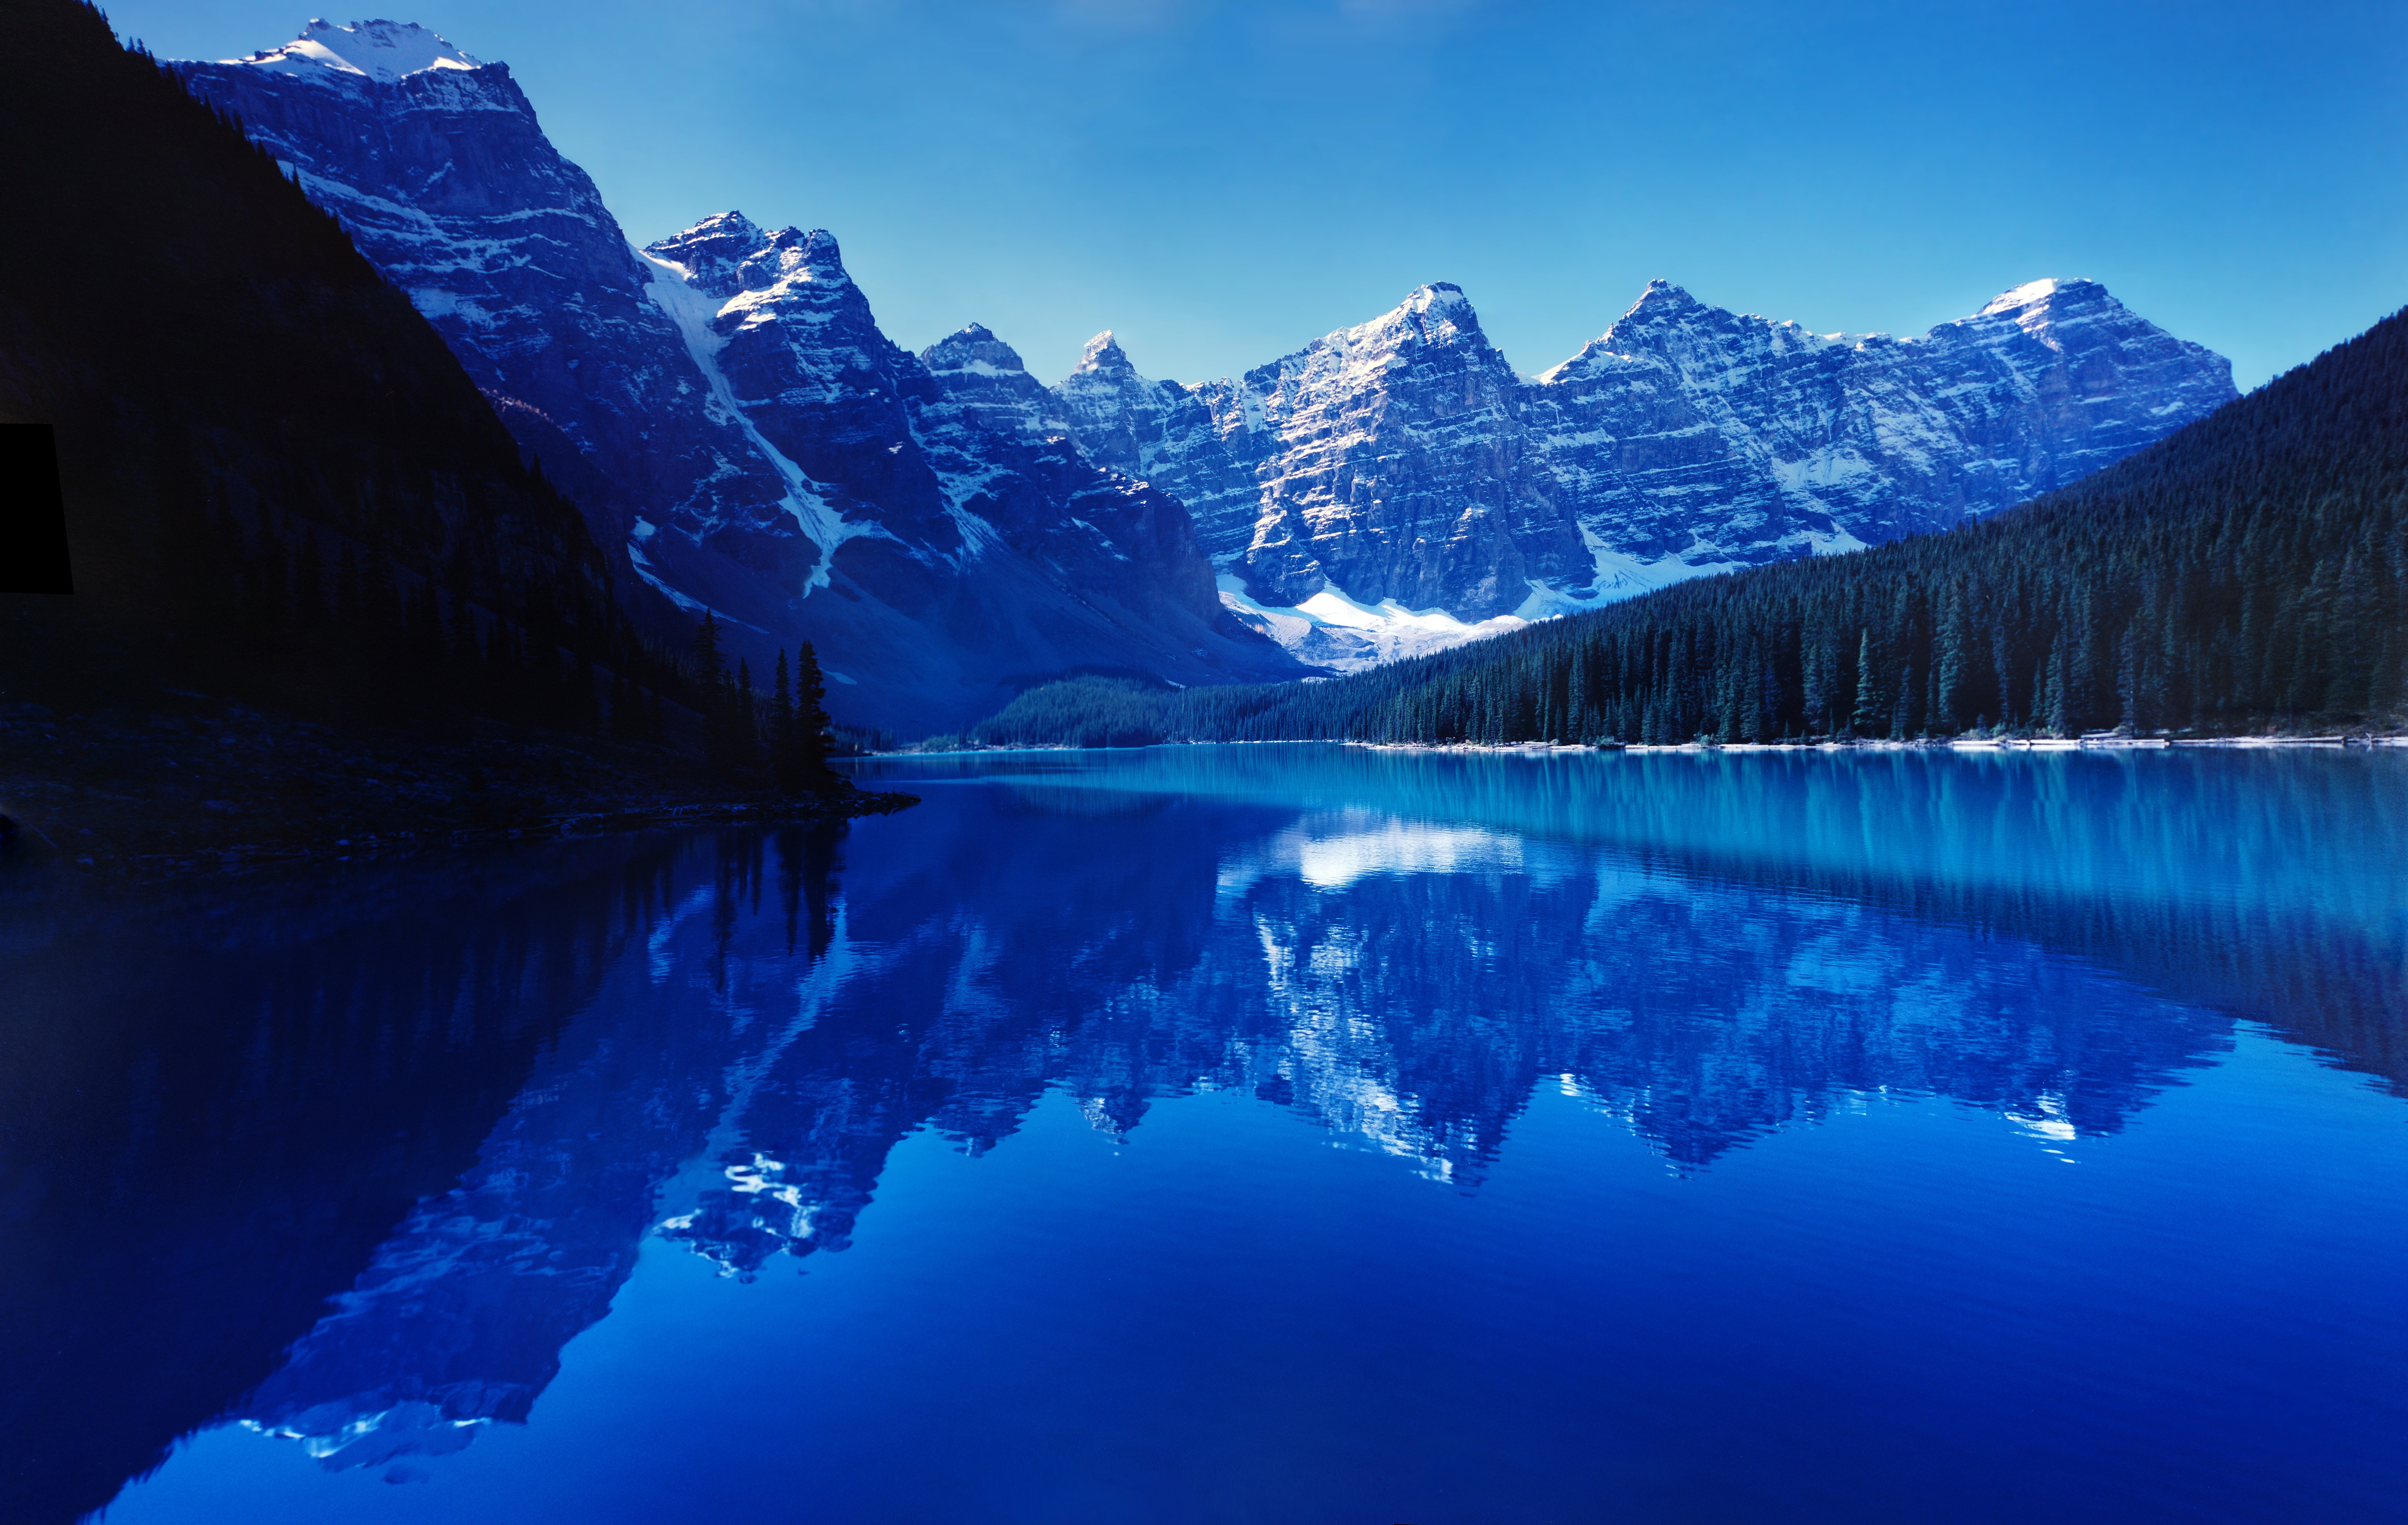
column 727, row 413
column 380, row 51
column 1400, row 476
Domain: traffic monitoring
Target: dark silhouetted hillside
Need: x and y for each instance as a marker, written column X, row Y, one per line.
column 277, row 479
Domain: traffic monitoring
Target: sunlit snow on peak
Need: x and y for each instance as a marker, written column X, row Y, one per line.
column 1103, row 353
column 2023, row 296
column 379, row 50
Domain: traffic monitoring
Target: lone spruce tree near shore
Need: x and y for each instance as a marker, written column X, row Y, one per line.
column 798, row 728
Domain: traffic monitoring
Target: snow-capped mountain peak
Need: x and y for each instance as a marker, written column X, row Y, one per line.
column 1443, row 311
column 812, row 256
column 1399, row 468
column 1661, row 296
column 728, row 253
column 972, row 349
column 2054, row 311
column 2031, row 293
column 381, row 51
column 1104, row 354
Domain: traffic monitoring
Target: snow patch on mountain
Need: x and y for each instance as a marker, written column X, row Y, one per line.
column 1346, row 635
column 381, row 51
column 697, row 315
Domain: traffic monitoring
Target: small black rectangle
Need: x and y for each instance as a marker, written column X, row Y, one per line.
column 33, row 512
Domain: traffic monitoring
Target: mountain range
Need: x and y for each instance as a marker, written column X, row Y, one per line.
column 948, row 530
column 1402, row 464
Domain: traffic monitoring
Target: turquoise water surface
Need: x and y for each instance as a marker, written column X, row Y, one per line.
column 1249, row 1133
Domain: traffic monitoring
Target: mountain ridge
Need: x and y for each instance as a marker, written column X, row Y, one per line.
column 1329, row 470
column 740, row 434
column 2247, row 574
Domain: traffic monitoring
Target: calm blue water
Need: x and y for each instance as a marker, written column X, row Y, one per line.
column 1248, row 1135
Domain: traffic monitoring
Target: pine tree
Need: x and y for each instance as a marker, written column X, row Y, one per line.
column 785, row 734
column 714, row 696
column 1952, row 669
column 1871, row 712
column 811, row 771
column 2053, row 713
column 709, row 661
column 742, row 721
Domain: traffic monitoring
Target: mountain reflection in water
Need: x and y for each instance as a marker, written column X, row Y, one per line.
column 353, row 1161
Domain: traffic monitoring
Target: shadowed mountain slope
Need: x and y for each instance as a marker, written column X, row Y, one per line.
column 741, row 435
column 276, row 477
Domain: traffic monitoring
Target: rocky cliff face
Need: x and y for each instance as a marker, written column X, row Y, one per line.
column 436, row 167
column 962, row 533
column 1402, row 466
column 741, row 435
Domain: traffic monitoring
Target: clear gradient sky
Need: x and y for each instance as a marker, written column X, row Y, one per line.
column 1221, row 181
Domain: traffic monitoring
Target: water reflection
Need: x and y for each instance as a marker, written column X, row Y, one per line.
column 360, row 1190
column 214, row 1113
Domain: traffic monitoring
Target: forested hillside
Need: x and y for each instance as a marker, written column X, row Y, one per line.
column 2246, row 574
column 279, row 484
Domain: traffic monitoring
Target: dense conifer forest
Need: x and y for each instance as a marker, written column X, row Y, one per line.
column 2247, row 574
column 281, row 488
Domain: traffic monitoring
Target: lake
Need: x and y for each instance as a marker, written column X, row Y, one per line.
column 1248, row 1134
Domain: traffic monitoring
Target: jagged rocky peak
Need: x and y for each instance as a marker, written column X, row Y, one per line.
column 729, row 253
column 1436, row 314
column 1440, row 313
column 1402, row 458
column 1105, row 356
column 1664, row 308
column 981, row 381
column 974, row 349
column 712, row 252
column 2051, row 308
column 1661, row 305
column 1661, row 295
column 2033, row 295
column 1122, row 421
column 380, row 51
column 1434, row 326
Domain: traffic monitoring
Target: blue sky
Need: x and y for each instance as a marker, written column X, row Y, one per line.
column 1221, row 181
